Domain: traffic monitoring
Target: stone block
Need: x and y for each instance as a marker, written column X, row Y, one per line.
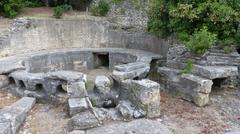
column 103, row 84
column 77, row 132
column 17, row 113
column 126, row 109
column 5, row 128
column 130, row 66
column 134, row 74
column 146, row 95
column 76, row 90
column 77, row 105
column 188, row 86
column 213, row 72
column 84, row 120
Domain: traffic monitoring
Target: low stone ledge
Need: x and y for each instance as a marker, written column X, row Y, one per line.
column 187, row 86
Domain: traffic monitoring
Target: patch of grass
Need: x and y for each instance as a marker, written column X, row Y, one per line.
column 94, row 102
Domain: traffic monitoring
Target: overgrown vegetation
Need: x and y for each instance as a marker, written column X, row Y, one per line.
column 59, row 10
column 198, row 23
column 188, row 68
column 10, row 8
column 101, row 8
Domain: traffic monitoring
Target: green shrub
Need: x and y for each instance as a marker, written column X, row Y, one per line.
column 188, row 68
column 58, row 12
column 101, row 9
column 201, row 40
column 10, row 8
column 183, row 18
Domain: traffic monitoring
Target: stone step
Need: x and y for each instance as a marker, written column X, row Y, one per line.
column 130, row 66
column 188, row 86
column 209, row 72
column 213, row 72
column 219, row 60
column 231, row 55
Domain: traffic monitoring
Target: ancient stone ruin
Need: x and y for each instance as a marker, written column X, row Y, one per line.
column 129, row 90
column 56, row 76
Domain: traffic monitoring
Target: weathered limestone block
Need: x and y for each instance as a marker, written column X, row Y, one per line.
column 77, row 105
column 126, row 109
column 4, row 81
column 106, row 115
column 77, row 132
column 189, row 87
column 69, row 76
column 130, row 66
column 134, row 70
column 196, row 83
column 213, row 72
column 146, row 95
column 103, row 84
column 17, row 113
column 83, row 120
column 5, row 127
column 76, row 89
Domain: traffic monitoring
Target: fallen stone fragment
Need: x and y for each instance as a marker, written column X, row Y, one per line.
column 77, row 105
column 84, row 120
column 126, row 109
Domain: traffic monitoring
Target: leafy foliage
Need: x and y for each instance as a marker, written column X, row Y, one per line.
column 201, row 40
column 101, row 9
column 185, row 17
column 10, row 8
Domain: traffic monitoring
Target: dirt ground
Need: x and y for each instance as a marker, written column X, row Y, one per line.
column 222, row 115
column 182, row 117
column 6, row 98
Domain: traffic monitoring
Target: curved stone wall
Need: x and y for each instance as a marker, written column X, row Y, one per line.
column 34, row 34
column 43, row 74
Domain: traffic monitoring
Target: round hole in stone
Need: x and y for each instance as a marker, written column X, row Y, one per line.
column 11, row 80
column 39, row 87
column 60, row 89
column 21, row 84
